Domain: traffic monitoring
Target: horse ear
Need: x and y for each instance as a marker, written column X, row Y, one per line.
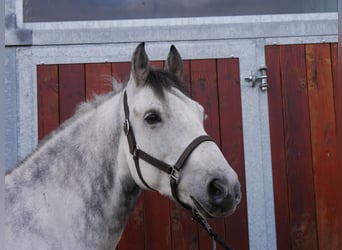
column 140, row 64
column 174, row 63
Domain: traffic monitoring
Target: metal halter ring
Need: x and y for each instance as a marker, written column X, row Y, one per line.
column 135, row 152
column 174, row 175
column 126, row 127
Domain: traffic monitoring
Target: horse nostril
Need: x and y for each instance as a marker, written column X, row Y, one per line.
column 217, row 191
column 220, row 193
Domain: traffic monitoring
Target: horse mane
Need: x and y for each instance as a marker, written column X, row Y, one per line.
column 160, row 80
column 98, row 99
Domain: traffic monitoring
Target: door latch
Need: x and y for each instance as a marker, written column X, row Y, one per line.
column 259, row 77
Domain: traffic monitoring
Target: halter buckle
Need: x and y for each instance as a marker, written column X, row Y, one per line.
column 135, row 152
column 126, row 127
column 174, row 175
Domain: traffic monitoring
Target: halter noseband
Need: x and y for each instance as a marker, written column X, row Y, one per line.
column 172, row 171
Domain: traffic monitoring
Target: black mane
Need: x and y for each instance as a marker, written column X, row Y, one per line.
column 160, row 80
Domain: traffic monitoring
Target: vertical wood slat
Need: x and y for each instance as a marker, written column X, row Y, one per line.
column 157, row 221
column 71, row 89
column 157, row 213
column 323, row 137
column 298, row 153
column 231, row 134
column 204, row 91
column 187, row 77
column 98, row 79
column 337, row 86
column 134, row 235
column 184, row 230
column 277, row 138
column 48, row 102
column 121, row 71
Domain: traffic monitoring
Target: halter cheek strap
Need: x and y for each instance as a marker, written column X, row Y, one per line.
column 172, row 171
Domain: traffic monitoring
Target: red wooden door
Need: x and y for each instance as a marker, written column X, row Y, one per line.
column 156, row 222
column 305, row 118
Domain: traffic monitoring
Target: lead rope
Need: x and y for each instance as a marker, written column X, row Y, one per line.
column 213, row 235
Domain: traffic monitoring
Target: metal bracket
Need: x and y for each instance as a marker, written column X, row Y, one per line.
column 261, row 78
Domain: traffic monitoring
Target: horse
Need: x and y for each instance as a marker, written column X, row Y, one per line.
column 79, row 186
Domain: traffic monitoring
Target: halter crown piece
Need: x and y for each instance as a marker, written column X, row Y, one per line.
column 172, row 171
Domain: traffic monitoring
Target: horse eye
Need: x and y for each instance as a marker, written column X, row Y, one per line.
column 153, row 118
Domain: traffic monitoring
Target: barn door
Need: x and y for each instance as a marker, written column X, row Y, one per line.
column 305, row 118
column 156, row 222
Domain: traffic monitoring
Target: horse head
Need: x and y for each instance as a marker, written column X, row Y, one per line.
column 161, row 123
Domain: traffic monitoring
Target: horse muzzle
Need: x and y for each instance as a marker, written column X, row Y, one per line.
column 221, row 198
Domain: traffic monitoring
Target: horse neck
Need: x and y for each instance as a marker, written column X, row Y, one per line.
column 82, row 162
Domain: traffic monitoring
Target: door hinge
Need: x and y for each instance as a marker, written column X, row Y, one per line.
column 260, row 78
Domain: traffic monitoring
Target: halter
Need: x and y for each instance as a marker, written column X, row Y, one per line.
column 172, row 171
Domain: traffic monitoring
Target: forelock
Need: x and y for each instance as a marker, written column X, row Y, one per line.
column 160, row 80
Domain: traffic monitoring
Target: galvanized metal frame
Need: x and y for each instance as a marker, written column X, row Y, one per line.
column 113, row 41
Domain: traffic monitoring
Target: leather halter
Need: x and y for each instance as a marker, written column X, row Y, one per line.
column 172, row 171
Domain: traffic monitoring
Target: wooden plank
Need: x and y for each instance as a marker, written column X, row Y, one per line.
column 228, row 74
column 337, row 86
column 323, row 136
column 204, row 90
column 48, row 104
column 157, row 64
column 98, row 79
column 157, row 221
column 157, row 213
column 121, row 71
column 71, row 89
column 133, row 236
column 279, row 168
column 187, row 77
column 184, row 231
column 298, row 148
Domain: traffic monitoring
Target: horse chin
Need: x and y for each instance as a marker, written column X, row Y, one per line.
column 211, row 212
